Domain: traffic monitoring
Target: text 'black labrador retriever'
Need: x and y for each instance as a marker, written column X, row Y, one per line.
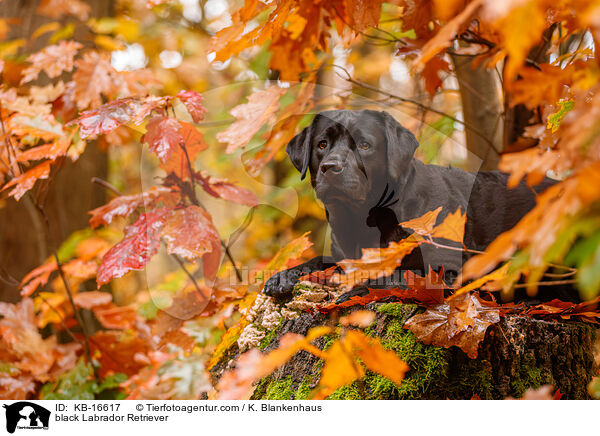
column 362, row 168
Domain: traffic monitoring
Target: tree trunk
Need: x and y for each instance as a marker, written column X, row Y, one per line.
column 70, row 193
column 480, row 93
column 516, row 354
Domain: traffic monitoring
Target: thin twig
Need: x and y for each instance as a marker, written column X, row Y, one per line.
column 76, row 312
column 106, row 185
column 189, row 274
column 548, row 283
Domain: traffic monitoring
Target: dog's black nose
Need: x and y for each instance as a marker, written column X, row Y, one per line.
column 336, row 167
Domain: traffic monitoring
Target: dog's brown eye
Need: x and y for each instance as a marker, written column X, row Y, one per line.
column 322, row 144
column 364, row 145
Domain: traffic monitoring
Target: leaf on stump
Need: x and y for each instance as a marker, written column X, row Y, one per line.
column 462, row 321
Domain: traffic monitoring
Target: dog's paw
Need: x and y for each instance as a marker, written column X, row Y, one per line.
column 280, row 286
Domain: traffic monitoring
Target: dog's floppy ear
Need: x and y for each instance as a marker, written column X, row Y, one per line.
column 299, row 150
column 401, row 145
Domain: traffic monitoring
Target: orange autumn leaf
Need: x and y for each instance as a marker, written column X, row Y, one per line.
column 461, row 321
column 290, row 252
column 375, row 262
column 53, row 60
column 342, row 367
column 424, row 224
column 452, row 228
column 25, row 181
column 498, row 274
column 115, row 317
column 177, row 160
column 443, row 39
column 254, row 365
column 250, row 117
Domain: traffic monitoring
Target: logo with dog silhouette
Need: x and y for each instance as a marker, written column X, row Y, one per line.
column 26, row 415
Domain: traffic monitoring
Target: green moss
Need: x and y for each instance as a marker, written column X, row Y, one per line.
column 280, row 390
column 380, row 387
column 529, row 377
column 471, row 377
column 303, row 392
column 348, row 392
column 329, row 340
column 301, row 287
column 428, row 364
column 397, row 310
column 269, row 337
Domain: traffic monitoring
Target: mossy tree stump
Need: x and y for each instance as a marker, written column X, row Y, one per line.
column 516, row 354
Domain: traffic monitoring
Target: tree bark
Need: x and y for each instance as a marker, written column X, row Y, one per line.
column 480, row 93
column 516, row 354
column 71, row 193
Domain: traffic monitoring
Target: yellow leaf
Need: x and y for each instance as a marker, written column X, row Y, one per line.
column 339, row 370
column 375, row 357
column 498, row 274
column 452, row 228
column 45, row 28
column 64, row 33
column 108, row 43
column 291, row 251
column 423, row 225
column 227, row 340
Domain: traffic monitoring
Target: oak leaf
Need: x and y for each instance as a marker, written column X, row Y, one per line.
column 125, row 205
column 222, row 188
column 189, row 232
column 462, row 321
column 53, row 60
column 163, row 136
column 250, row 117
column 25, row 181
column 193, row 103
column 177, row 162
column 139, row 245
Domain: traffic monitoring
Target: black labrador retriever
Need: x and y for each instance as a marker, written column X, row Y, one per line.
column 362, row 168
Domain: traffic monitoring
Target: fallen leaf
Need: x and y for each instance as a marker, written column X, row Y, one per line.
column 462, row 322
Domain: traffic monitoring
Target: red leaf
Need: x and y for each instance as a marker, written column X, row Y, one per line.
column 119, row 352
column 221, row 188
column 25, row 181
column 140, row 243
column 190, row 233
column 193, row 102
column 125, row 205
column 320, row 277
column 106, row 118
column 163, row 136
column 177, row 162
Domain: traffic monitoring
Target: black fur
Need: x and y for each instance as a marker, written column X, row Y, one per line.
column 368, row 189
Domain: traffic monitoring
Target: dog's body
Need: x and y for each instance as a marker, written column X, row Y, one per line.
column 362, row 167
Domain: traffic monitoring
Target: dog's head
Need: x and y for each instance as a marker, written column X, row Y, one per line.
column 352, row 155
